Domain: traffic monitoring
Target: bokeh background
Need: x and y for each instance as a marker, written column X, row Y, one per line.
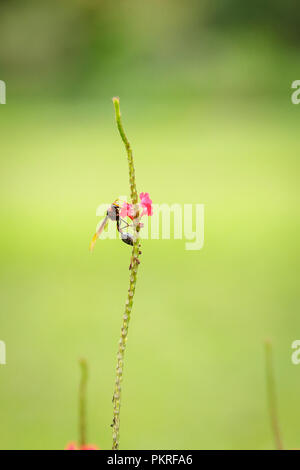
column 205, row 92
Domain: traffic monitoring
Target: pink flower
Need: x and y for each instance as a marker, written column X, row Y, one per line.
column 146, row 203
column 127, row 210
column 73, row 446
column 89, row 447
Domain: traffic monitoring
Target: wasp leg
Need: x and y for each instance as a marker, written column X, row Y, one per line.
column 126, row 224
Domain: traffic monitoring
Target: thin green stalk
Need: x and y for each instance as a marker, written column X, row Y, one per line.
column 82, row 402
column 272, row 395
column 132, row 283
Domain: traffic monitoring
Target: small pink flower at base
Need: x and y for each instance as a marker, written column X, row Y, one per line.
column 89, row 447
column 73, row 446
column 146, row 203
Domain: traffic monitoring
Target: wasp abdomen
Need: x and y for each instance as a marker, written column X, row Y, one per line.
column 127, row 238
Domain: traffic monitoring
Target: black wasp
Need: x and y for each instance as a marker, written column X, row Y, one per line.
column 113, row 213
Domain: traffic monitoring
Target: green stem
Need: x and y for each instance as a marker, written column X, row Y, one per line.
column 272, row 395
column 134, row 195
column 132, row 283
column 82, row 402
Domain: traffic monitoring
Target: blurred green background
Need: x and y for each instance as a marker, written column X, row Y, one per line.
column 205, row 92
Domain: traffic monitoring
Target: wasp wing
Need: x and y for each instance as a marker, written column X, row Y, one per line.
column 98, row 233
